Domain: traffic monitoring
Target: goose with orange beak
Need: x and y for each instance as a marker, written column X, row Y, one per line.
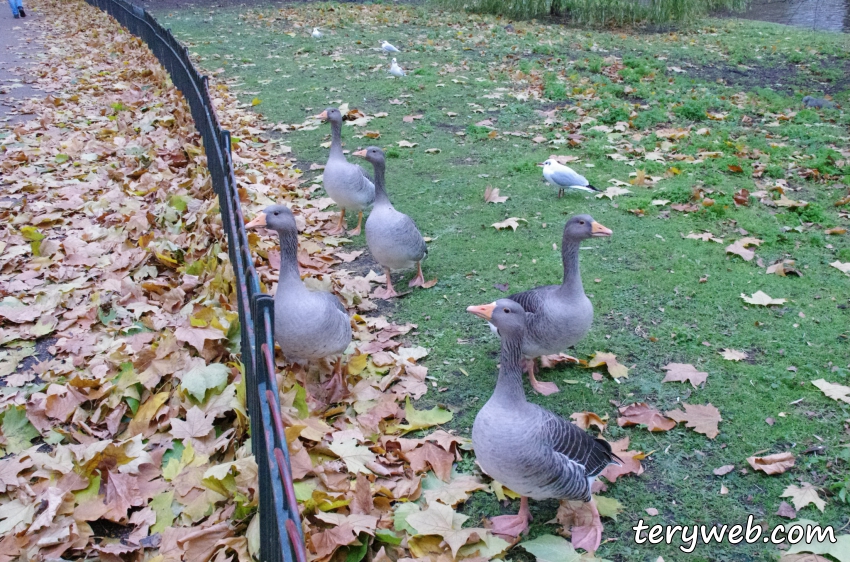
column 534, row 452
column 559, row 316
column 308, row 325
column 392, row 237
column 346, row 183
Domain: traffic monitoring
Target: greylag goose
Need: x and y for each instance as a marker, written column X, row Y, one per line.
column 532, row 451
column 392, row 237
column 564, row 177
column 559, row 315
column 347, row 184
column 308, row 325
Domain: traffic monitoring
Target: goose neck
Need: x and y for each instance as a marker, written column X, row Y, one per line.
column 336, row 139
column 381, row 198
column 572, row 275
column 289, row 274
column 509, row 384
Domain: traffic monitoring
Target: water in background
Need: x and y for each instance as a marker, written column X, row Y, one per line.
column 828, row 15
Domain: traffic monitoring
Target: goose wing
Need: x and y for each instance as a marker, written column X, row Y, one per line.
column 532, row 299
column 577, row 445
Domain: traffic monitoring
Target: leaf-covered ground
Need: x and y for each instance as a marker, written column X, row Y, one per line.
column 684, row 121
column 126, row 439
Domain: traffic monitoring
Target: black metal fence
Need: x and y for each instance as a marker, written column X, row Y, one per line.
column 280, row 523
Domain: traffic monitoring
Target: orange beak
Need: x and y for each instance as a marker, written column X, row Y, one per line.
column 323, row 115
column 484, row 311
column 597, row 230
column 259, row 220
column 360, row 153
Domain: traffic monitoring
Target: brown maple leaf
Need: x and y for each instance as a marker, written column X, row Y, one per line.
column 630, row 461
column 434, row 456
column 772, row 464
column 581, row 520
column 643, row 414
column 491, row 195
column 684, row 372
column 803, row 495
column 702, row 419
column 586, row 419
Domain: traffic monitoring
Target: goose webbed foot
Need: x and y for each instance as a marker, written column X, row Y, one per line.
column 419, row 280
column 336, row 388
column 340, row 226
column 356, row 231
column 544, row 388
column 389, row 292
column 512, row 525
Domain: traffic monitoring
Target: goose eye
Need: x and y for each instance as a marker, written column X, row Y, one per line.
column 581, row 222
column 506, row 311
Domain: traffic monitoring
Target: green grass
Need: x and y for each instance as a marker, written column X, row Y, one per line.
column 651, row 308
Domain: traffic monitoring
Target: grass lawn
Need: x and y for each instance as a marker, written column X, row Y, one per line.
column 541, row 88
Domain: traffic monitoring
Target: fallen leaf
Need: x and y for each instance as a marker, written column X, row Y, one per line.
column 842, row 267
column 406, row 144
column 740, row 247
column 725, row 469
column 549, row 548
column 508, row 223
column 682, row 372
column 642, row 414
column 612, row 192
column 615, row 369
column 804, row 495
column 630, row 465
column 491, row 195
column 772, row 464
column 582, row 522
column 355, row 456
column 651, row 511
column 733, row 354
column 760, row 298
column 443, row 521
column 785, row 510
column 834, row 390
column 702, row 419
column 586, row 419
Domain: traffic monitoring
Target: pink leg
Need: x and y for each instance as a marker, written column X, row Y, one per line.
column 340, row 226
column 389, row 292
column 544, row 388
column 356, row 231
column 419, row 280
column 513, row 525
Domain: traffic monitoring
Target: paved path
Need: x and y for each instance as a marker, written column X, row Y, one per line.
column 15, row 43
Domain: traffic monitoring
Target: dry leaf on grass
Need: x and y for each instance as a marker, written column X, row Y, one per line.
column 804, row 495
column 612, row 192
column 772, row 464
column 733, row 354
column 842, row 267
column 615, row 369
column 741, row 247
column 702, row 419
column 705, row 237
column 760, row 298
column 508, row 223
column 491, row 195
column 582, row 523
column 725, row 469
column 631, row 461
column 643, row 414
column 586, row 419
column 834, row 390
column 684, row 372
column 785, row 510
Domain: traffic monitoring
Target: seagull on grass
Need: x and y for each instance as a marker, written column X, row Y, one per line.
column 396, row 70
column 564, row 177
column 316, row 33
column 389, row 48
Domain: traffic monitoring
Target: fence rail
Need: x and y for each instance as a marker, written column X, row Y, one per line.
column 280, row 523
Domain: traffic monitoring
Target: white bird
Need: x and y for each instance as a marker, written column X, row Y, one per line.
column 396, row 70
column 316, row 33
column 564, row 177
column 389, row 48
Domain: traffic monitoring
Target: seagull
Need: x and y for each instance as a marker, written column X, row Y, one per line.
column 316, row 33
column 396, row 70
column 564, row 177
column 389, row 48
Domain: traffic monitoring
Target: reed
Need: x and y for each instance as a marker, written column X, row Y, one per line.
column 617, row 12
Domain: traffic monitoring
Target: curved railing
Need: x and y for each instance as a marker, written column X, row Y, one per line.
column 280, row 524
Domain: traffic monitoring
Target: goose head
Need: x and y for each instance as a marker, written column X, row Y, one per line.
column 581, row 227
column 372, row 154
column 331, row 114
column 275, row 217
column 506, row 315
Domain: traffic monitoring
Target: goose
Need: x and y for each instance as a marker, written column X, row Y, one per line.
column 392, row 237
column 316, row 33
column 532, row 451
column 396, row 70
column 559, row 315
column 308, row 325
column 564, row 177
column 347, row 184
column 388, row 47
